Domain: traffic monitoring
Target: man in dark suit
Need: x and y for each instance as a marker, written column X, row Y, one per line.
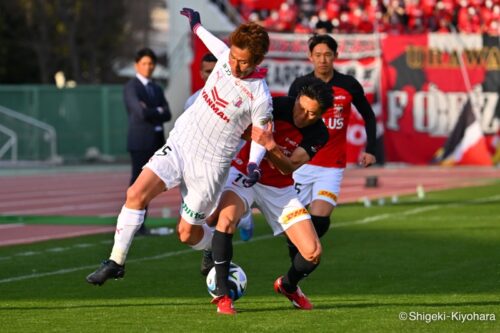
column 147, row 110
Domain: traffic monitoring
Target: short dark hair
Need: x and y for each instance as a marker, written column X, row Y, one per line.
column 209, row 57
column 322, row 39
column 318, row 90
column 145, row 52
column 327, row 25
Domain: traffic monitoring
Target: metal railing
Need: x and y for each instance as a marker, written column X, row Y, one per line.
column 49, row 134
column 11, row 144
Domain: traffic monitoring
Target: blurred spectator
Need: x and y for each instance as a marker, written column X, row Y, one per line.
column 207, row 65
column 367, row 16
column 323, row 25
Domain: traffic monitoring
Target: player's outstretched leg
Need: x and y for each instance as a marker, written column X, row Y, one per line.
column 297, row 297
column 108, row 270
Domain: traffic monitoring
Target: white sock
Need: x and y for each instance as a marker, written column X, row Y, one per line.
column 129, row 221
column 206, row 241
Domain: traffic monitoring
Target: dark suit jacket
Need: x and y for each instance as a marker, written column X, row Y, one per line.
column 143, row 120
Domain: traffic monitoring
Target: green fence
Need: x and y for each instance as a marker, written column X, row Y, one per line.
column 85, row 118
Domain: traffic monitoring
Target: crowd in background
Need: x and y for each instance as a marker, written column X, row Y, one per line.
column 369, row 16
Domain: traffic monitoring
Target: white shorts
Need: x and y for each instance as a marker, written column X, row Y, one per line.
column 280, row 206
column 313, row 182
column 200, row 183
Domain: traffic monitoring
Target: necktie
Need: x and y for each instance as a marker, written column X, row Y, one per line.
column 150, row 90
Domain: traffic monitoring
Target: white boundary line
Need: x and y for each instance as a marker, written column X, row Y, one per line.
column 367, row 220
column 11, row 225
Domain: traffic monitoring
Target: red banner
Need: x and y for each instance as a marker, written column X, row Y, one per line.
column 417, row 85
column 426, row 82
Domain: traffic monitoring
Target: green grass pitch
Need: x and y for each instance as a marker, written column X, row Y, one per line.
column 435, row 260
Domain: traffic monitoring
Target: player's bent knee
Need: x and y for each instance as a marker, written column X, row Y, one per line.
column 185, row 234
column 184, row 237
column 312, row 253
column 226, row 224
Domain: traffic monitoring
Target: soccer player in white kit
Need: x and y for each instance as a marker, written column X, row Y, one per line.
column 198, row 152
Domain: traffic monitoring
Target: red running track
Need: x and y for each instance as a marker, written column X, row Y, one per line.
column 102, row 192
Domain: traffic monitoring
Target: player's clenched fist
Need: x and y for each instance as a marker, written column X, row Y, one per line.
column 253, row 175
column 193, row 17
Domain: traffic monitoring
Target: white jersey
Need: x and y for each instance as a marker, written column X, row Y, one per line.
column 211, row 128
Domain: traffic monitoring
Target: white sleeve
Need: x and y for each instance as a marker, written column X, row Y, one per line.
column 257, row 153
column 263, row 113
column 213, row 44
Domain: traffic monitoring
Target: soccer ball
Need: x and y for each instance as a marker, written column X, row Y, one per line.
column 237, row 282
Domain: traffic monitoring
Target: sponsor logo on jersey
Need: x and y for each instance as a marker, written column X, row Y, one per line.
column 238, row 102
column 215, row 102
column 337, row 110
column 334, row 123
column 328, row 194
column 245, row 90
column 339, row 97
column 219, row 101
column 291, row 142
column 294, row 214
column 192, row 213
column 227, row 69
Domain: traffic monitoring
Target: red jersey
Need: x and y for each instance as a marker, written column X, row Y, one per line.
column 288, row 137
column 346, row 91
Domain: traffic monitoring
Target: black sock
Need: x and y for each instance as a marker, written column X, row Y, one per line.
column 222, row 253
column 292, row 249
column 300, row 269
column 321, row 224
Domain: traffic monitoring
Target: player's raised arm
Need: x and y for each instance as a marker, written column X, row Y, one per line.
column 214, row 45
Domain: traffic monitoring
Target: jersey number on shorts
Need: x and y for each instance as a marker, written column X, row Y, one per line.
column 238, row 179
column 163, row 151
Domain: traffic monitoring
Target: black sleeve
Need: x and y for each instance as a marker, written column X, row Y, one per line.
column 365, row 110
column 314, row 137
column 294, row 89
